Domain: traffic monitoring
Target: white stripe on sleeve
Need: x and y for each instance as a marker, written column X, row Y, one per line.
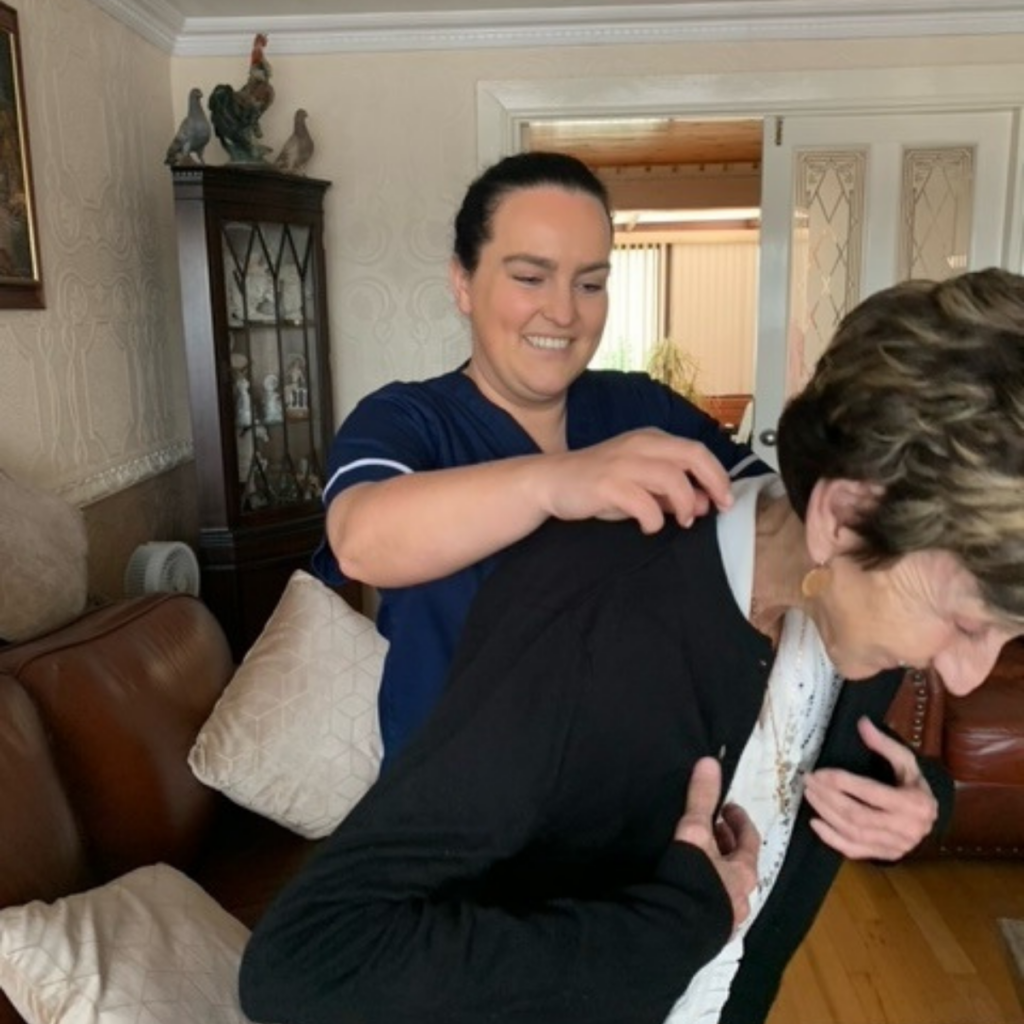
column 359, row 464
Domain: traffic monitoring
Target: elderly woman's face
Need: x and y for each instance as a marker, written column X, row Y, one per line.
column 924, row 610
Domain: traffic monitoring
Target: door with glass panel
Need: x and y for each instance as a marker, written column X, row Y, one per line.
column 851, row 204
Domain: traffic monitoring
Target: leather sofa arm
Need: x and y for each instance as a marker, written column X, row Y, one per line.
column 121, row 694
column 918, row 710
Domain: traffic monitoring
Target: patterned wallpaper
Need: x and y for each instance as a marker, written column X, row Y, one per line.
column 93, row 389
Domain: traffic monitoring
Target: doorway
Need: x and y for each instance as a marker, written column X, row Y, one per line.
column 686, row 194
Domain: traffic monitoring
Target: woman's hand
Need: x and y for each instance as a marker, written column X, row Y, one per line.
column 732, row 843
column 865, row 819
column 643, row 475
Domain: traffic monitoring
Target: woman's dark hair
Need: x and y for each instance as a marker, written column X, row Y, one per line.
column 521, row 171
column 921, row 394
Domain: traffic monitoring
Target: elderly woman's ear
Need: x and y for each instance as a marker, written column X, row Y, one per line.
column 834, row 508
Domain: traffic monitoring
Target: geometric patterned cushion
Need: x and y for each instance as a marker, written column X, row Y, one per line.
column 295, row 735
column 150, row 947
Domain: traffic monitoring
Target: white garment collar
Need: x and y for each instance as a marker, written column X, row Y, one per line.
column 736, row 533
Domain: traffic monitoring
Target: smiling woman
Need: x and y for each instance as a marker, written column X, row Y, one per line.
column 523, row 431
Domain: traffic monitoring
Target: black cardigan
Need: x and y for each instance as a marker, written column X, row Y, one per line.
column 516, row 863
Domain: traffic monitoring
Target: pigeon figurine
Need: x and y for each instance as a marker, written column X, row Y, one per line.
column 295, row 153
column 193, row 134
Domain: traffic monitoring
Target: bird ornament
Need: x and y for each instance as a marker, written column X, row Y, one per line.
column 193, row 134
column 296, row 152
column 236, row 113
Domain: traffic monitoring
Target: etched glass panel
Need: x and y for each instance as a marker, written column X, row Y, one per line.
column 936, row 207
column 828, row 230
column 276, row 387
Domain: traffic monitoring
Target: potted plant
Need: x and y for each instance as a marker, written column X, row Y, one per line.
column 674, row 366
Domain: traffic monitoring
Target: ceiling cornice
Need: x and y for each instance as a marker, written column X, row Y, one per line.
column 708, row 21
column 154, row 20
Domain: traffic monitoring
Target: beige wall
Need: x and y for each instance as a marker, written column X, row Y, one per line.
column 93, row 388
column 93, row 398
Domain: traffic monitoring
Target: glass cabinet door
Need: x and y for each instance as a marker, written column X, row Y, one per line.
column 269, row 275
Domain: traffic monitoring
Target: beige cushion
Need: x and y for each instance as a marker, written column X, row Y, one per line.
column 295, row 736
column 43, row 552
column 151, row 947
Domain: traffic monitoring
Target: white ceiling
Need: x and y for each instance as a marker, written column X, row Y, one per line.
column 225, row 27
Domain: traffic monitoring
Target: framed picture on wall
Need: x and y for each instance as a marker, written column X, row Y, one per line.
column 21, row 282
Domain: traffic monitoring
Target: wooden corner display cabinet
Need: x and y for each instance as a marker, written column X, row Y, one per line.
column 250, row 247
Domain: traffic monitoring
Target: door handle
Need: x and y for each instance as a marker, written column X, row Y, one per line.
column 768, row 437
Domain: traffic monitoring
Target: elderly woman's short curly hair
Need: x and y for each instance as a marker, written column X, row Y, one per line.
column 921, row 392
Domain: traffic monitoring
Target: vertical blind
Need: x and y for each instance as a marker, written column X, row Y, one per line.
column 636, row 306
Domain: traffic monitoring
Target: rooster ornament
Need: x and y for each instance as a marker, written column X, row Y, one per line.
column 236, row 113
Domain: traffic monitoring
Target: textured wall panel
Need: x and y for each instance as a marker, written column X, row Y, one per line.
column 93, row 394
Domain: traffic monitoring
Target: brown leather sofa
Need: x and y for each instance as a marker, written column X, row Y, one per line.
column 96, row 722
column 980, row 739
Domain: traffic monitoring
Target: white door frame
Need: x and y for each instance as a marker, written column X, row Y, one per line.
column 505, row 107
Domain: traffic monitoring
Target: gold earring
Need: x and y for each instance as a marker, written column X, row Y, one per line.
column 815, row 582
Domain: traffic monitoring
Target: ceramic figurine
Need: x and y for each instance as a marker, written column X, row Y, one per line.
column 273, row 411
column 243, row 402
column 192, row 136
column 296, row 390
column 296, row 152
column 236, row 113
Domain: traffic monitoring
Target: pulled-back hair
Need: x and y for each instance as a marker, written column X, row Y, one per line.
column 520, row 171
column 921, row 392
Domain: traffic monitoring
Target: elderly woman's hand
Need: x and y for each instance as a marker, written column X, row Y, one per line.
column 643, row 475
column 732, row 843
column 865, row 819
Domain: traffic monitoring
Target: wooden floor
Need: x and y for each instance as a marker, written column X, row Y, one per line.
column 916, row 943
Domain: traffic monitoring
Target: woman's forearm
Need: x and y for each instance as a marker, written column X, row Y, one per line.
column 422, row 526
column 374, row 955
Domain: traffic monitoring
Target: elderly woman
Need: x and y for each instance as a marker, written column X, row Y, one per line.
column 536, row 854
